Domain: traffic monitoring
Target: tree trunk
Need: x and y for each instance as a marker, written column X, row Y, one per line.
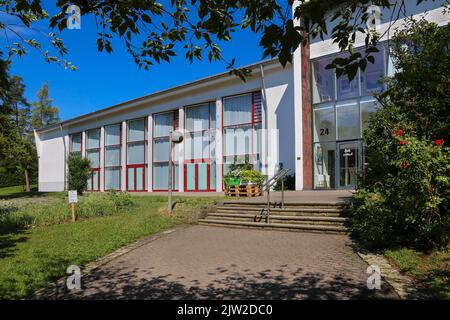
column 27, row 181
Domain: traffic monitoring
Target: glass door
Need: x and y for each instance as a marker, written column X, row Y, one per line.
column 349, row 165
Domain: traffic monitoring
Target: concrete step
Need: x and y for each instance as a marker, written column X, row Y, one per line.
column 233, row 203
column 279, row 218
column 285, row 211
column 275, row 226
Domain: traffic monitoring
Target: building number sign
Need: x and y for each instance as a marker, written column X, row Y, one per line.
column 324, row 131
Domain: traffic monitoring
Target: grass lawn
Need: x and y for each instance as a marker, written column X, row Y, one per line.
column 430, row 270
column 38, row 243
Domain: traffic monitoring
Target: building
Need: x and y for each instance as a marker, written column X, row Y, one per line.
column 299, row 117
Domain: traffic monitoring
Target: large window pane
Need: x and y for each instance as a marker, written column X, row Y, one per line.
column 371, row 78
column 324, row 165
column 140, row 179
column 197, row 118
column 324, row 124
column 130, row 179
column 93, row 139
column 112, row 156
column 161, row 149
column 237, row 110
column 212, row 175
column 197, row 145
column 94, row 156
column 212, row 111
column 161, row 176
column 347, row 89
column 136, row 153
column 257, row 139
column 348, row 120
column 163, row 124
column 112, row 179
column 112, row 134
column 136, row 130
column 237, row 141
column 368, row 107
column 95, row 180
column 322, row 81
column 76, row 143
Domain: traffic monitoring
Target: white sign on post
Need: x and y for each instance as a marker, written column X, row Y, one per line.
column 73, row 196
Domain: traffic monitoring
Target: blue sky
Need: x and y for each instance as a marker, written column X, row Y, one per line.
column 105, row 79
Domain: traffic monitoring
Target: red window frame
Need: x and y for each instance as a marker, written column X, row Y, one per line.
column 95, row 169
column 199, row 160
column 175, row 127
column 120, row 155
column 81, row 143
column 139, row 165
column 256, row 119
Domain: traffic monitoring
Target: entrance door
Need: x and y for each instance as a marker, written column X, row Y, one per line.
column 197, row 176
column 348, row 164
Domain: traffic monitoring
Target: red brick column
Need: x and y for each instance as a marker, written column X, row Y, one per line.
column 307, row 118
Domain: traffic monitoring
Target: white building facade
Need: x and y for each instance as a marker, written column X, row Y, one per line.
column 299, row 117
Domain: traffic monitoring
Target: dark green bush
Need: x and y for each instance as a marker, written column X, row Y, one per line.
column 79, row 172
column 289, row 183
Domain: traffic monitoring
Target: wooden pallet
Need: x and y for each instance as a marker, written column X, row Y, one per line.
column 242, row 191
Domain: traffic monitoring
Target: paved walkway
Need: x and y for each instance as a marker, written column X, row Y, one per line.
column 202, row 262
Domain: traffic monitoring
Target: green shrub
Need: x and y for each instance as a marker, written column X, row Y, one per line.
column 79, row 172
column 289, row 183
column 122, row 201
column 246, row 176
column 13, row 216
column 252, row 176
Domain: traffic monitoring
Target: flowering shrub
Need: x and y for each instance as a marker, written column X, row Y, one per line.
column 404, row 196
column 409, row 201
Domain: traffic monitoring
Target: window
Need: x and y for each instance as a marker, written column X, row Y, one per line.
column 75, row 143
column 136, row 149
column 113, row 149
column 324, row 123
column 322, row 81
column 163, row 124
column 242, row 129
column 200, row 147
column 368, row 107
column 347, row 115
column 93, row 154
column 372, row 77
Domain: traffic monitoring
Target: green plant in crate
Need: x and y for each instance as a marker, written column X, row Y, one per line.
column 252, row 177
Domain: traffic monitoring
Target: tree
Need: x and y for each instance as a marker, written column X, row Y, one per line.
column 44, row 113
column 404, row 197
column 79, row 172
column 18, row 156
column 151, row 30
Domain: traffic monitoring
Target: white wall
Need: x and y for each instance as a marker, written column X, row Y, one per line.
column 51, row 161
column 279, row 93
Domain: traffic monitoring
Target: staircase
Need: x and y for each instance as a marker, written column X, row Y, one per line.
column 311, row 217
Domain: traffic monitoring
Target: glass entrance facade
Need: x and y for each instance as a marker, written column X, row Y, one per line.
column 341, row 109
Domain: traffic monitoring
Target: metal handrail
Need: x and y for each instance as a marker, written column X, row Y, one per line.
column 266, row 188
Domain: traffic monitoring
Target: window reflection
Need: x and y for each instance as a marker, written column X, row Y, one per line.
column 323, row 81
column 372, row 77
